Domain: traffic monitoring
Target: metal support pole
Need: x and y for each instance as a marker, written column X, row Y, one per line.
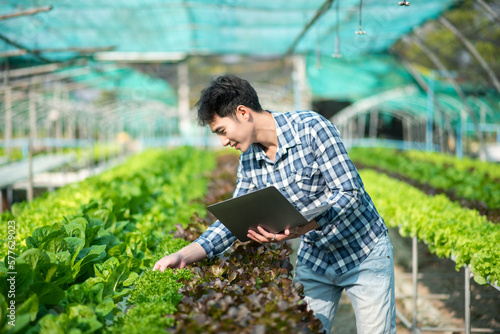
column 352, row 128
column 361, row 125
column 442, row 68
column 121, row 130
column 300, row 95
column 90, row 139
column 459, row 144
column 463, row 129
column 32, row 114
column 102, row 146
column 414, row 272
column 59, row 114
column 184, row 113
column 430, row 113
column 373, row 124
column 467, row 300
column 449, row 133
column 30, row 190
column 472, row 50
column 10, row 195
column 31, row 136
column 422, row 131
column 440, row 133
column 8, row 119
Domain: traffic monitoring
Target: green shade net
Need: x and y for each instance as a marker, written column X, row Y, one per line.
column 379, row 82
column 254, row 27
column 126, row 82
column 351, row 79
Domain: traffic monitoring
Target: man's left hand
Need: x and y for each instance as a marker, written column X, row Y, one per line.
column 263, row 236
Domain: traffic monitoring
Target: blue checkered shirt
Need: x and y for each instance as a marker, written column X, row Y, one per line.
column 311, row 168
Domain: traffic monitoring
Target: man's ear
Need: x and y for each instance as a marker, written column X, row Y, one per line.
column 244, row 112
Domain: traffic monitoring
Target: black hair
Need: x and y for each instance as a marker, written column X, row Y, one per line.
column 223, row 96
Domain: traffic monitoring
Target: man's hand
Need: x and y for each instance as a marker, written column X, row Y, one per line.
column 263, row 236
column 189, row 254
column 174, row 260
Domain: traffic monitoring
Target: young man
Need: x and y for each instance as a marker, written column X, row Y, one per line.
column 301, row 154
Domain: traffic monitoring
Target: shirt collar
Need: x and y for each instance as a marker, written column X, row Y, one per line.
column 286, row 133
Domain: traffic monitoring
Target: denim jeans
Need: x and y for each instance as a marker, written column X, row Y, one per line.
column 369, row 286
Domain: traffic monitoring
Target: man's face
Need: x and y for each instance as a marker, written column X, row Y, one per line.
column 234, row 132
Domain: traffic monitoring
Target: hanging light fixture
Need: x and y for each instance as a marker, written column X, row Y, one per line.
column 337, row 36
column 404, row 3
column 360, row 31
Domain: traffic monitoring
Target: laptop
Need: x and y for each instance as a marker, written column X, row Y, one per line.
column 266, row 207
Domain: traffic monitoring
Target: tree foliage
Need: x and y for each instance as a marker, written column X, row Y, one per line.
column 478, row 26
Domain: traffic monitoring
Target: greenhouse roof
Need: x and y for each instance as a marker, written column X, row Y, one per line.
column 354, row 78
column 257, row 27
column 409, row 101
column 126, row 82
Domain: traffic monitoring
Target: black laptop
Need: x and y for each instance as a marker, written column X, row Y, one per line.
column 266, row 207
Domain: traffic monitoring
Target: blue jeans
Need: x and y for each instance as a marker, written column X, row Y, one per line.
column 369, row 286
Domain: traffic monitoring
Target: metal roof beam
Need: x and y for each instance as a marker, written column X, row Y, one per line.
column 33, row 70
column 19, row 46
column 432, row 56
column 322, row 10
column 489, row 10
column 26, row 83
column 472, row 50
column 369, row 102
column 31, row 11
column 13, row 53
column 140, row 57
column 80, row 50
column 75, row 49
column 425, row 87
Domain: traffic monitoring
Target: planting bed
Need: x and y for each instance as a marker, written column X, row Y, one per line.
column 90, row 272
column 247, row 291
column 471, row 183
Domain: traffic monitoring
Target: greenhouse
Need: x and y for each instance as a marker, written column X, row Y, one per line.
column 108, row 172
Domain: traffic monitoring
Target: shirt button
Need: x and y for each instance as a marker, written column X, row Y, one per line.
column 276, row 169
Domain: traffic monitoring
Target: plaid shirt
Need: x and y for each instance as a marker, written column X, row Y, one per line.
column 311, row 168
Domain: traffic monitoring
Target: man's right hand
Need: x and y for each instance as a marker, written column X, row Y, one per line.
column 189, row 254
column 170, row 261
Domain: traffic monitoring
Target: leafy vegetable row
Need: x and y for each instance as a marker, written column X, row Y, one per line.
column 123, row 183
column 248, row 291
column 448, row 229
column 471, row 179
column 73, row 274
